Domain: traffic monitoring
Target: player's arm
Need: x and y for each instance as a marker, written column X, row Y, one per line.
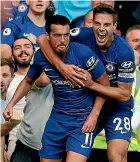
column 125, row 77
column 68, row 71
column 120, row 93
column 90, row 123
column 24, row 87
column 20, row 92
column 8, row 126
column 97, row 72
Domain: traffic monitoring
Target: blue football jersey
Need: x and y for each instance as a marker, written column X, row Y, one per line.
column 22, row 27
column 67, row 100
column 118, row 59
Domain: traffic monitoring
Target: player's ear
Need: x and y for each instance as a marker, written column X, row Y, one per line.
column 48, row 37
column 115, row 25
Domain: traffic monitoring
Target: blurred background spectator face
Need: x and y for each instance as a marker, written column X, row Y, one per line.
column 88, row 20
column 133, row 38
column 38, row 6
column 23, row 52
column 6, row 76
column 99, row 2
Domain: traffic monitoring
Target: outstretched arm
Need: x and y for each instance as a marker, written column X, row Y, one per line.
column 20, row 92
column 8, row 126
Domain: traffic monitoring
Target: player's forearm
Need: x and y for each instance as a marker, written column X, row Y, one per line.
column 111, row 92
column 98, row 104
column 6, row 128
column 21, row 90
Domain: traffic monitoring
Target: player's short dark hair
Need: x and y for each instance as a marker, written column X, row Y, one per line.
column 8, row 62
column 106, row 9
column 57, row 20
column 26, row 39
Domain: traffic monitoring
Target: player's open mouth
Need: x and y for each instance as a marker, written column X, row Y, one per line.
column 101, row 37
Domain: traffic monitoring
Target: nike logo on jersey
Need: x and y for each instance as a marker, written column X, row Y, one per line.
column 25, row 35
column 47, row 69
column 83, row 146
column 123, row 132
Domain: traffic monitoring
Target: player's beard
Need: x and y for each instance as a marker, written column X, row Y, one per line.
column 24, row 63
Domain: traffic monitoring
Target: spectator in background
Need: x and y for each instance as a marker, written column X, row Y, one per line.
column 39, row 102
column 7, row 69
column 11, row 10
column 22, row 53
column 79, row 21
column 31, row 26
column 133, row 38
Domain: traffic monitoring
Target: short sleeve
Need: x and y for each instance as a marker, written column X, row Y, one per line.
column 126, row 66
column 9, row 34
column 35, row 69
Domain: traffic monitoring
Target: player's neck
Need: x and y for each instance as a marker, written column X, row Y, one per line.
column 38, row 20
column 22, row 70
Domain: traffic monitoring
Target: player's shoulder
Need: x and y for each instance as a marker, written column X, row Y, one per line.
column 81, row 31
column 122, row 47
column 81, row 47
column 38, row 54
column 81, row 50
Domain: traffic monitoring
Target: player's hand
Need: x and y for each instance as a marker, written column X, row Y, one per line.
column 73, row 75
column 15, row 119
column 89, row 81
column 89, row 124
column 8, row 112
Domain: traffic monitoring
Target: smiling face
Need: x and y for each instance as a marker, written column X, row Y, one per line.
column 59, row 38
column 22, row 52
column 38, row 6
column 103, row 28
